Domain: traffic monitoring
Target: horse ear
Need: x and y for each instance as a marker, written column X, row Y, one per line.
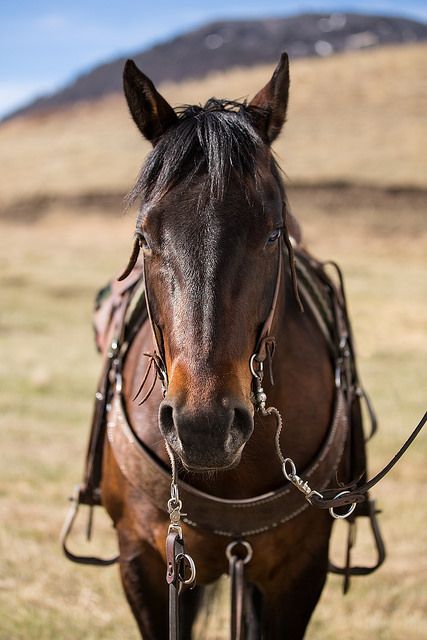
column 271, row 102
column 151, row 113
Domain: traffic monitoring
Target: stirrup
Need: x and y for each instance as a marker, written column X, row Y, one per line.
column 347, row 571
column 76, row 501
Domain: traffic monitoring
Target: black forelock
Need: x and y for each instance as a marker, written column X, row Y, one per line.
column 215, row 141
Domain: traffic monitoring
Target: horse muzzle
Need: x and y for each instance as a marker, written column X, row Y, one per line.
column 206, row 438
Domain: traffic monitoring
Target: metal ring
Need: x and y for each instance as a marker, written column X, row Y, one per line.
column 289, row 476
column 342, row 516
column 256, row 374
column 192, row 566
column 236, row 543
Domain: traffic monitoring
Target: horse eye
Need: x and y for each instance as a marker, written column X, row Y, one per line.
column 143, row 242
column 274, row 236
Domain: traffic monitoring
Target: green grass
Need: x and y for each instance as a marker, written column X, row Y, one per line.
column 48, row 370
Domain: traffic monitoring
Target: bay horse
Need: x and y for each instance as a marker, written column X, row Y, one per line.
column 212, row 225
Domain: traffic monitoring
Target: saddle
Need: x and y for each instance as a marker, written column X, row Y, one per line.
column 120, row 312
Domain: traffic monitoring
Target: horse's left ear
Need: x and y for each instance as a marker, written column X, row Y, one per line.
column 270, row 104
column 151, row 113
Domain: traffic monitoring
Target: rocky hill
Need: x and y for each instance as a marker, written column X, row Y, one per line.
column 220, row 46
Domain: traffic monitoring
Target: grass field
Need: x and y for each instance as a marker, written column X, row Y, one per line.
column 50, row 270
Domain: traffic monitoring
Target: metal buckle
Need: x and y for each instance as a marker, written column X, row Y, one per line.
column 299, row 483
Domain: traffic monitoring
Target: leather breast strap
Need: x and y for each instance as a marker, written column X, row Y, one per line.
column 230, row 518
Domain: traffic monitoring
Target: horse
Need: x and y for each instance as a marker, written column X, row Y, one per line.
column 213, row 223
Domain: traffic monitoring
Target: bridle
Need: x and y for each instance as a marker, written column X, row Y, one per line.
column 265, row 343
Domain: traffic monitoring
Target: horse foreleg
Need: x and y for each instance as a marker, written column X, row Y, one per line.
column 143, row 578
column 288, row 608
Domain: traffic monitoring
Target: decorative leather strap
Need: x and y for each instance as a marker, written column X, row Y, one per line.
column 262, row 349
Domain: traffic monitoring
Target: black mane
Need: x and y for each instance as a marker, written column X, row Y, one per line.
column 215, row 140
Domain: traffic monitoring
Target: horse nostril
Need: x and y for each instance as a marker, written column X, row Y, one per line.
column 166, row 418
column 243, row 421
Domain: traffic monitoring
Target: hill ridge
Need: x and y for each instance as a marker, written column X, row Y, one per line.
column 221, row 45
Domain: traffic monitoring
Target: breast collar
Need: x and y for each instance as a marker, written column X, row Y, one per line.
column 232, row 518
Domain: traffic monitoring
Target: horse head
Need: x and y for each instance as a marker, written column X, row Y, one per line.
column 209, row 226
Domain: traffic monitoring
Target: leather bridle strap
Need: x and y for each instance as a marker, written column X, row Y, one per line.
column 159, row 358
column 266, row 343
column 353, row 493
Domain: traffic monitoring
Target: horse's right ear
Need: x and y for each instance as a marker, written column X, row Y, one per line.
column 151, row 113
column 270, row 104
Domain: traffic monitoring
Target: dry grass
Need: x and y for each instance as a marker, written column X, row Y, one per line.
column 358, row 116
column 48, row 368
column 354, row 117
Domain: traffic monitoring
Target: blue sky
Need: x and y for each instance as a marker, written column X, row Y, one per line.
column 45, row 44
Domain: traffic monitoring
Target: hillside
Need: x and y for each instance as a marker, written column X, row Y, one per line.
column 220, row 46
column 356, row 117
